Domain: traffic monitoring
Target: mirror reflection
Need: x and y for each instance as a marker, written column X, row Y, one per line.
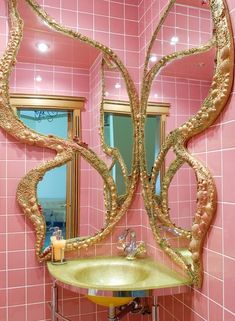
column 184, row 83
column 50, row 63
column 54, row 191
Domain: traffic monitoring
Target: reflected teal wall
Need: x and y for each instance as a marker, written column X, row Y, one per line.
column 119, row 134
column 54, row 181
column 152, row 143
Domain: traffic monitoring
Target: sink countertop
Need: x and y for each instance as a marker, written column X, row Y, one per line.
column 151, row 275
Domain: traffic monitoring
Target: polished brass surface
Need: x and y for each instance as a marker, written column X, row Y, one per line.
column 156, row 206
column 116, row 274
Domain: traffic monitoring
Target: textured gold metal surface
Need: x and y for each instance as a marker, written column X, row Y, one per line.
column 156, row 207
column 116, row 274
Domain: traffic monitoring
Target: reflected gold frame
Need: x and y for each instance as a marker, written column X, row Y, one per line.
column 156, row 207
column 74, row 105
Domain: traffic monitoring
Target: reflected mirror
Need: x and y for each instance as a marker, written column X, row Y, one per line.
column 184, row 83
column 50, row 63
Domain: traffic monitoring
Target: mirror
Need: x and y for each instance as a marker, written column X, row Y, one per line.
column 184, row 83
column 159, row 81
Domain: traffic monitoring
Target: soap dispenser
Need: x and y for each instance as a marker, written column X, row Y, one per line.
column 58, row 246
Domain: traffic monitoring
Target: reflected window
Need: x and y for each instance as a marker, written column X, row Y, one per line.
column 52, row 190
column 118, row 133
column 58, row 192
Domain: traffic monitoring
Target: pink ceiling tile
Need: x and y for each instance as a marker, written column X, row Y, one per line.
column 101, row 7
column 117, row 26
column 131, row 12
column 71, row 4
column 101, row 23
column 117, row 10
column 131, row 28
column 69, row 18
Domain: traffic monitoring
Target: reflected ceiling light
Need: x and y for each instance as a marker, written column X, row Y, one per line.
column 174, row 40
column 42, row 47
column 153, row 58
column 117, row 85
column 106, row 94
column 155, row 95
column 38, row 78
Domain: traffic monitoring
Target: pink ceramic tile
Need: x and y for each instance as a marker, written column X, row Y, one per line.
column 35, row 276
column 229, row 284
column 215, row 239
column 16, row 296
column 16, row 278
column 17, row 312
column 229, row 224
column 15, row 241
column 35, row 294
column 216, row 290
column 228, row 316
column 16, row 223
column 16, row 260
column 35, row 312
column 15, row 169
column 215, row 264
column 228, row 172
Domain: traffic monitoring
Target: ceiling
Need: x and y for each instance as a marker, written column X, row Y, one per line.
column 64, row 51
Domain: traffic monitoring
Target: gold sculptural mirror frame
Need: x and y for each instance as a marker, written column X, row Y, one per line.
column 157, row 209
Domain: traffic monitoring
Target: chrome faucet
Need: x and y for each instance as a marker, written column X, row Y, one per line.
column 132, row 248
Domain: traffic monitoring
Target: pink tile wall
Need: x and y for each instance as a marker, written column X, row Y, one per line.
column 215, row 148
column 25, row 284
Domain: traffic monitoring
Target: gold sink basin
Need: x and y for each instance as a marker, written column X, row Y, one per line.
column 115, row 280
column 114, row 274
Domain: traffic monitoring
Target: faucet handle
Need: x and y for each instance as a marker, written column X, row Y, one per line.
column 122, row 240
column 123, row 236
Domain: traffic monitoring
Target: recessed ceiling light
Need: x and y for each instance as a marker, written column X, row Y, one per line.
column 174, row 40
column 42, row 47
column 38, row 78
column 117, row 85
column 153, row 58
